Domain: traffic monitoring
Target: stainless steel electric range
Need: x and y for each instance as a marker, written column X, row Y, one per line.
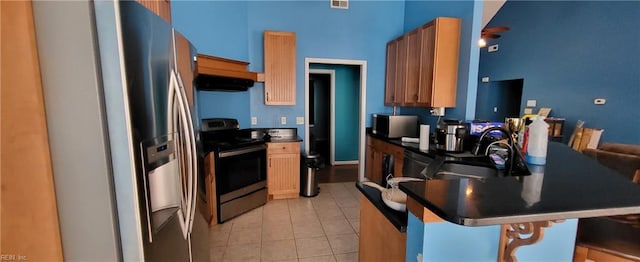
column 240, row 167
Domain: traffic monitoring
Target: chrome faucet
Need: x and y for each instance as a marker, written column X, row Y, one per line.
column 515, row 158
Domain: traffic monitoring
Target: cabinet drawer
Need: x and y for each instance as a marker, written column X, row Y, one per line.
column 283, row 148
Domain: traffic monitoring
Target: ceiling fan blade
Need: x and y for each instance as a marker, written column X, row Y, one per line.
column 496, row 29
column 490, row 35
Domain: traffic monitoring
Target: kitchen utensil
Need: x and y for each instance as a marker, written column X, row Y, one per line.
column 450, row 135
column 392, row 197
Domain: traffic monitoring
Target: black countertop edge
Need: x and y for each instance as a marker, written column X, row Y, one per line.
column 398, row 219
column 525, row 218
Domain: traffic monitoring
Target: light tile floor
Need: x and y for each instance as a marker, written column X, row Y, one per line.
column 322, row 228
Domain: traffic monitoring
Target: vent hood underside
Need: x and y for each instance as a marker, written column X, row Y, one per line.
column 222, row 74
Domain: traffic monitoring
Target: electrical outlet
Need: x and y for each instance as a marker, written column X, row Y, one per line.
column 531, row 103
column 437, row 111
column 528, row 111
column 485, row 79
column 492, row 48
column 254, row 120
column 300, row 120
column 283, row 120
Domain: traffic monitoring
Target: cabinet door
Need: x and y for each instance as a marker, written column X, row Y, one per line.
column 412, row 69
column 401, row 69
column 283, row 170
column 283, row 175
column 390, row 81
column 427, row 49
column 279, row 68
column 445, row 62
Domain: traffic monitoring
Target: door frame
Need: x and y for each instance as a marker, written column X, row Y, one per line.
column 363, row 95
column 332, row 100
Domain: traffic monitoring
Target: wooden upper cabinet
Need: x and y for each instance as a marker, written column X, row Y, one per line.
column 162, row 8
column 412, row 74
column 445, row 62
column 390, row 81
column 426, row 65
column 279, row 68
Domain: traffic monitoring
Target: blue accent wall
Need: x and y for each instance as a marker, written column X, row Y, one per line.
column 569, row 53
column 347, row 110
column 217, row 28
column 234, row 29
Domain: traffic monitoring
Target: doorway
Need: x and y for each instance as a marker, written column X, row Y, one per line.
column 321, row 84
column 354, row 145
column 497, row 100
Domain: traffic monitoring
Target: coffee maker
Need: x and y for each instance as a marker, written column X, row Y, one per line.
column 450, row 135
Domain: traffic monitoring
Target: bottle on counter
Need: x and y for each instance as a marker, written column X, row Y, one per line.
column 537, row 140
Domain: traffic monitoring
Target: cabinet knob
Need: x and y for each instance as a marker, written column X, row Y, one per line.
column 283, row 148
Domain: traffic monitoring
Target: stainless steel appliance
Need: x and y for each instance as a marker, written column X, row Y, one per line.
column 240, row 166
column 450, row 135
column 122, row 119
column 391, row 126
column 159, row 67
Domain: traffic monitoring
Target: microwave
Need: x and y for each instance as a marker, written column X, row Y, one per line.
column 391, row 126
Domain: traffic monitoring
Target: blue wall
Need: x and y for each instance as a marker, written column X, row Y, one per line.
column 570, row 53
column 234, row 29
column 359, row 33
column 347, row 110
column 217, row 28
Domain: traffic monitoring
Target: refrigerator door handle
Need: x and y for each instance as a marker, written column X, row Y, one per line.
column 174, row 93
column 193, row 158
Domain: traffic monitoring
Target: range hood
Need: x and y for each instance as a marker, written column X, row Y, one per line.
column 222, row 74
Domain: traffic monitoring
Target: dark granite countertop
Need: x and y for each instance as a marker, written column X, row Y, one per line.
column 570, row 185
column 397, row 218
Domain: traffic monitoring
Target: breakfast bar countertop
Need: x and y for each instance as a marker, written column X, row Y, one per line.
column 570, row 185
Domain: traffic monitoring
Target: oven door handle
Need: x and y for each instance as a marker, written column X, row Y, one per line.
column 236, row 152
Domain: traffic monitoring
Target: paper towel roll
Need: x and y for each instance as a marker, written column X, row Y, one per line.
column 424, row 137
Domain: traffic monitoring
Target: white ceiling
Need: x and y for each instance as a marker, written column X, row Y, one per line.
column 490, row 8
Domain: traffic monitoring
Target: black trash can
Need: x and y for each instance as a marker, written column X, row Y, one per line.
column 308, row 180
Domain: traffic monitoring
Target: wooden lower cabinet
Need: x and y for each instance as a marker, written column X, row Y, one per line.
column 283, row 170
column 586, row 254
column 210, row 185
column 379, row 239
column 375, row 152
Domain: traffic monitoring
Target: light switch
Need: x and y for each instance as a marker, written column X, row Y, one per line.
column 283, row 120
column 531, row 103
column 254, row 120
column 300, row 120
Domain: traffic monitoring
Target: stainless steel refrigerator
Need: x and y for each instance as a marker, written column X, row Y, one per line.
column 144, row 200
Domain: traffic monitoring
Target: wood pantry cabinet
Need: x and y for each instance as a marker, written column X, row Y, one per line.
column 376, row 150
column 279, row 68
column 422, row 65
column 283, row 170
